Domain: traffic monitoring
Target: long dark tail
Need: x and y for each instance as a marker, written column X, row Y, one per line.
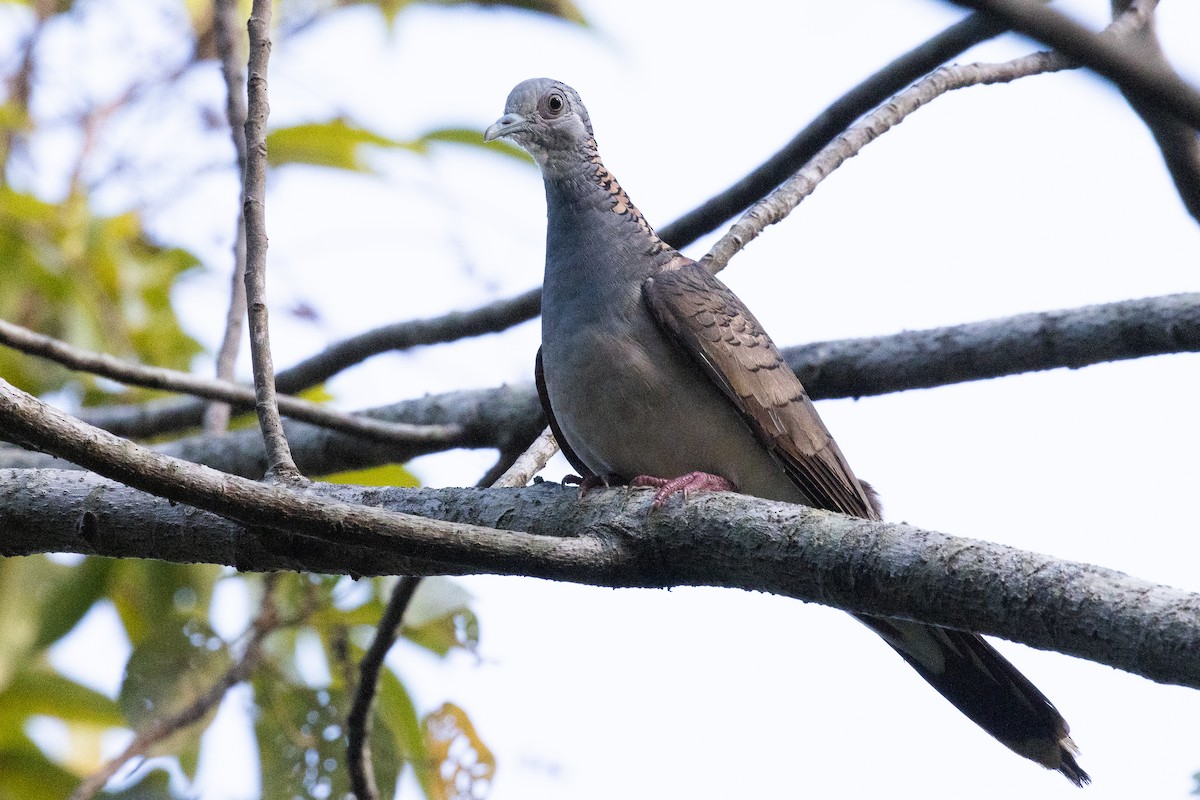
column 982, row 684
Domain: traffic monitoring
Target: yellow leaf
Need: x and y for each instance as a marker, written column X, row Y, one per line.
column 463, row 765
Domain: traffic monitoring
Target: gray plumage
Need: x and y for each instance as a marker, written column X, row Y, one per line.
column 652, row 367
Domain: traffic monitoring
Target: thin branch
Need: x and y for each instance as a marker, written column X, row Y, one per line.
column 793, row 191
column 358, row 721
column 225, row 19
column 829, row 123
column 508, row 417
column 280, row 466
column 159, row 417
column 161, row 728
column 719, row 539
column 1155, row 82
column 117, row 369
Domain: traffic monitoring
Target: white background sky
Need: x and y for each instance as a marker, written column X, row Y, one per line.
column 1044, row 194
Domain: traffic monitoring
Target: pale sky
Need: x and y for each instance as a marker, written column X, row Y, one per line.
column 1044, row 194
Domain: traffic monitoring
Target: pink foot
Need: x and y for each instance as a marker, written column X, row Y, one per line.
column 692, row 482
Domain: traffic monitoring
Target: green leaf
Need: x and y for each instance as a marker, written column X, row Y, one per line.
column 27, row 774
column 72, row 597
column 100, row 283
column 25, row 586
column 439, row 618
column 474, row 138
column 42, row 691
column 335, row 144
column 167, row 672
column 394, row 704
column 144, row 591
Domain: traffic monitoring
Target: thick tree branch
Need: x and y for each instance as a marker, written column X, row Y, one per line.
column 506, row 418
column 993, row 348
column 721, row 539
column 30, row 420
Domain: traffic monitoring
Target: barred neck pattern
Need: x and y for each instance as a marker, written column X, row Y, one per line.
column 621, row 204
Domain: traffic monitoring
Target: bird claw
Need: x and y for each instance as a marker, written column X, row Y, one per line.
column 596, row 482
column 688, row 484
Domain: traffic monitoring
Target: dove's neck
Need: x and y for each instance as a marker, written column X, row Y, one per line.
column 593, row 229
column 599, row 247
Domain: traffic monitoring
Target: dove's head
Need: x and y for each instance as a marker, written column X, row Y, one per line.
column 547, row 119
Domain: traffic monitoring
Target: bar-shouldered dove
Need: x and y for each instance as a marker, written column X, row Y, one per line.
column 652, row 372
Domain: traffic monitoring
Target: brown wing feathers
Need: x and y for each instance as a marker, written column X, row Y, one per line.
column 708, row 321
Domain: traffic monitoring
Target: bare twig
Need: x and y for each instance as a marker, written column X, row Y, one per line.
column 225, row 19
column 163, row 727
column 358, row 721
column 158, row 417
column 108, row 366
column 1153, row 81
column 529, row 463
column 280, row 466
column 829, row 123
column 792, row 192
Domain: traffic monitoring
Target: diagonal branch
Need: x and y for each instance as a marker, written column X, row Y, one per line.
column 781, row 202
column 158, row 417
column 1178, row 142
column 250, row 503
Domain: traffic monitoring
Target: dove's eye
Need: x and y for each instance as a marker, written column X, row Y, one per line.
column 555, row 103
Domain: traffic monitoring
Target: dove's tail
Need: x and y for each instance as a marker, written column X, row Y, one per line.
column 982, row 684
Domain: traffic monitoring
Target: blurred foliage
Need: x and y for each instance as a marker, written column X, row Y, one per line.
column 103, row 282
column 97, row 282
column 341, row 145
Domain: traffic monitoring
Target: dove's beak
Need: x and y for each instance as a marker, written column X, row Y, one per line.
column 505, row 126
